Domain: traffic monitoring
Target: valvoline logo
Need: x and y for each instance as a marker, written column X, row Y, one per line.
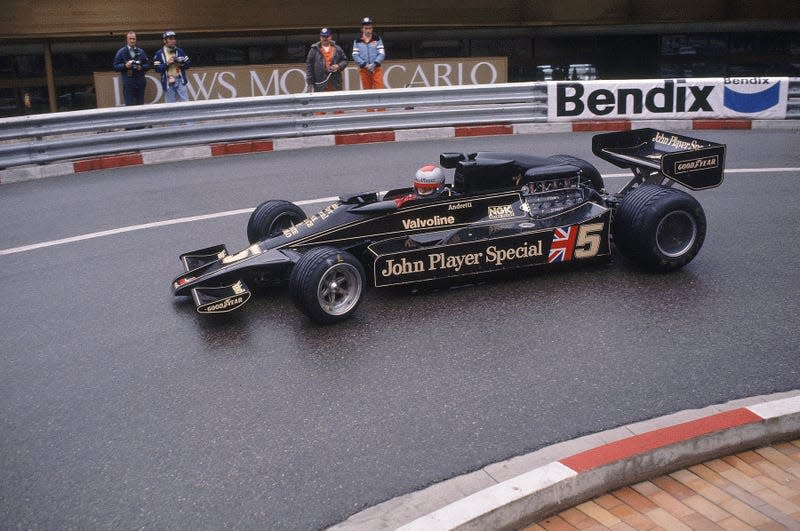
column 751, row 95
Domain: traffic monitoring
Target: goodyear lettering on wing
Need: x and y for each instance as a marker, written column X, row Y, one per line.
column 223, row 305
column 239, row 296
column 703, row 163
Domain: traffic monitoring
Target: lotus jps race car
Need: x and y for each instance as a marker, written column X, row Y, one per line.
column 503, row 211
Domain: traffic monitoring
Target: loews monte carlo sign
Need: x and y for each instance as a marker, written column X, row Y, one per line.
column 272, row 80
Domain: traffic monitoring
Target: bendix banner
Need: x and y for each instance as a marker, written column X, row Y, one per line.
column 734, row 97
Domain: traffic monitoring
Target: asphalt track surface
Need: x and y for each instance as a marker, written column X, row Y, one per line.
column 122, row 407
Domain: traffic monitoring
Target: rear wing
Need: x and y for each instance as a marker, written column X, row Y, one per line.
column 696, row 164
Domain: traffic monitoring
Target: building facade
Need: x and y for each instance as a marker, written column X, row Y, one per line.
column 50, row 51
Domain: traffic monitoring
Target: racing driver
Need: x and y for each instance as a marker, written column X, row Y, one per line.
column 428, row 183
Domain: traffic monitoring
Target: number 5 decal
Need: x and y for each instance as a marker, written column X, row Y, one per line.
column 589, row 239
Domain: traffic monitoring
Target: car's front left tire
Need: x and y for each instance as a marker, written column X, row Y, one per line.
column 327, row 284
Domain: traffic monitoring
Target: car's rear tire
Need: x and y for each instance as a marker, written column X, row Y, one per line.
column 659, row 228
column 327, row 284
column 272, row 217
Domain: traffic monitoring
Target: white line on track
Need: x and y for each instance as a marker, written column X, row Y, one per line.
column 143, row 226
column 191, row 219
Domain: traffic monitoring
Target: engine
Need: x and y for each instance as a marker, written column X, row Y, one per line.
column 543, row 198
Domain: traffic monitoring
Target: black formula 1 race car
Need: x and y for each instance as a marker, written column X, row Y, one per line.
column 503, row 211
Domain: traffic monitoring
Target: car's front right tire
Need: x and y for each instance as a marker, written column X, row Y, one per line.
column 271, row 218
column 327, row 284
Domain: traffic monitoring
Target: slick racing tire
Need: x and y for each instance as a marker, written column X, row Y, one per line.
column 270, row 218
column 327, row 284
column 660, row 229
column 589, row 171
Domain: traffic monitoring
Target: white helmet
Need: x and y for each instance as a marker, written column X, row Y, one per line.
column 428, row 179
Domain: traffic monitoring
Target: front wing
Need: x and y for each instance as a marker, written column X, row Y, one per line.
column 215, row 279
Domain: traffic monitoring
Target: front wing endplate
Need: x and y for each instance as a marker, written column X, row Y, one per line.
column 221, row 299
column 201, row 257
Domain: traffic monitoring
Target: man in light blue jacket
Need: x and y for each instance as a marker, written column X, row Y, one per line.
column 171, row 62
column 368, row 53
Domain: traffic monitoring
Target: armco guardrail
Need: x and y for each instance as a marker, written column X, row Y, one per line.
column 45, row 138
column 793, row 106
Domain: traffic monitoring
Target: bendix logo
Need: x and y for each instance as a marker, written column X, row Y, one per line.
column 750, row 95
column 573, row 99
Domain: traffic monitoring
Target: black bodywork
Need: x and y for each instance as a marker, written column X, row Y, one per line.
column 503, row 211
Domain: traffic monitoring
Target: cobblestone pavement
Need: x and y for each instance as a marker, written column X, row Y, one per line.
column 756, row 489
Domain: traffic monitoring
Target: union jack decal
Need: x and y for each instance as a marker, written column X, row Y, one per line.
column 563, row 244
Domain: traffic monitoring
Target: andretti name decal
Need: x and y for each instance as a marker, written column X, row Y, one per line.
column 755, row 97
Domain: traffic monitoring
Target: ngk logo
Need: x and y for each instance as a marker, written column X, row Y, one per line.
column 574, row 99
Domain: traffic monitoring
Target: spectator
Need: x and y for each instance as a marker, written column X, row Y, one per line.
column 368, row 53
column 324, row 64
column 172, row 62
column 132, row 62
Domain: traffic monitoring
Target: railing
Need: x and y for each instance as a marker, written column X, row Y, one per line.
column 45, row 138
column 793, row 106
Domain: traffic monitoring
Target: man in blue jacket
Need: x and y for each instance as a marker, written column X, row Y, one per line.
column 171, row 61
column 131, row 62
column 368, row 53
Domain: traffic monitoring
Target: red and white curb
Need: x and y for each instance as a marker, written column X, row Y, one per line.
column 158, row 156
column 658, row 446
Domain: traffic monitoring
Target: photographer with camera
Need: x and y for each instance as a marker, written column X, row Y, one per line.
column 171, row 61
column 325, row 63
column 131, row 62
